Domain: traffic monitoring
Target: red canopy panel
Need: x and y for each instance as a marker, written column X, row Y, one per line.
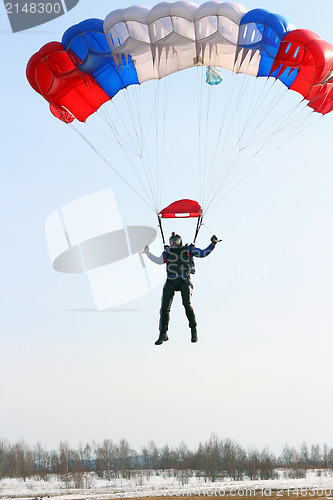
column 61, row 113
column 182, row 209
column 52, row 73
column 313, row 57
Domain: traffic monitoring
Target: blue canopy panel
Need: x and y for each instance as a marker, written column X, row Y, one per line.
column 86, row 42
column 265, row 33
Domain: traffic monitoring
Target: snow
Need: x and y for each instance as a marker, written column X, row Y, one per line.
column 316, row 483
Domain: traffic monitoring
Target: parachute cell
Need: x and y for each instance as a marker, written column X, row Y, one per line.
column 262, row 31
column 52, row 73
column 304, row 51
column 87, row 46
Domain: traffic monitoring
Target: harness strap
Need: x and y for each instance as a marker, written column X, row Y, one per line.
column 160, row 224
column 199, row 224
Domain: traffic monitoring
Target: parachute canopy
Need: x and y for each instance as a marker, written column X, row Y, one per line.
column 111, row 75
column 98, row 59
column 181, row 209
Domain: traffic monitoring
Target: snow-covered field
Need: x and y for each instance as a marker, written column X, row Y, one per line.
column 161, row 484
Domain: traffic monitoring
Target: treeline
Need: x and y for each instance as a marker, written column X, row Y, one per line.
column 212, row 460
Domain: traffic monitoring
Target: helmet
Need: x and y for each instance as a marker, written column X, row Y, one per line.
column 175, row 240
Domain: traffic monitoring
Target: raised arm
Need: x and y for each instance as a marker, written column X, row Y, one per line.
column 157, row 260
column 198, row 252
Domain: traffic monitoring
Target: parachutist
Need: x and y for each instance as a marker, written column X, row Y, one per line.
column 179, row 267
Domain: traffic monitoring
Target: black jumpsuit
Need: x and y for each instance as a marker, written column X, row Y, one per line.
column 179, row 262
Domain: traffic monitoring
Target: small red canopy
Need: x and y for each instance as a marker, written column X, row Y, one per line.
column 182, row 209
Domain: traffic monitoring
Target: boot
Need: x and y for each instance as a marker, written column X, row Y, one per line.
column 194, row 335
column 162, row 338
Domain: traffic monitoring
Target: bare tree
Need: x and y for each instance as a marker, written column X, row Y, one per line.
column 292, row 461
column 315, row 456
column 42, row 461
column 211, row 458
column 305, row 455
column 107, row 462
column 150, row 458
column 184, row 461
column 167, row 459
column 267, row 465
column 3, row 458
column 67, row 459
column 127, row 459
column 85, row 454
column 253, row 464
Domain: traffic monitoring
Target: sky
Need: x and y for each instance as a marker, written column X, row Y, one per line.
column 261, row 372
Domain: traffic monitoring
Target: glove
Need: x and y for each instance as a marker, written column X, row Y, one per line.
column 146, row 250
column 214, row 239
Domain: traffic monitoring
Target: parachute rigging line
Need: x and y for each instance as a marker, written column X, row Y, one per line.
column 214, row 168
column 106, row 116
column 292, row 136
column 134, row 169
column 111, row 166
column 129, row 149
column 267, row 140
column 235, row 157
column 132, row 99
column 213, row 171
column 136, row 105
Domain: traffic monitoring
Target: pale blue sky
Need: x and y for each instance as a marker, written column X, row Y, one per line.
column 261, row 372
